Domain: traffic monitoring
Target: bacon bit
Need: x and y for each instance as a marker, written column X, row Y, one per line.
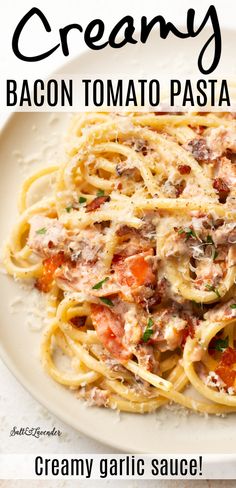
column 119, row 186
column 222, row 188
column 211, row 348
column 184, row 169
column 187, row 332
column 141, row 146
column 129, row 172
column 200, row 150
column 50, row 265
column 224, row 368
column 96, row 203
column 78, row 321
column 50, row 245
column 180, row 188
column 146, row 358
column 117, row 258
column 231, row 156
column 160, row 293
column 110, row 329
column 125, row 230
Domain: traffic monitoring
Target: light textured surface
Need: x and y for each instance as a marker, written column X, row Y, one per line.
column 17, row 407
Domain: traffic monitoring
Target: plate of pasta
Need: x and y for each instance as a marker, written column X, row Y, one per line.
column 126, row 238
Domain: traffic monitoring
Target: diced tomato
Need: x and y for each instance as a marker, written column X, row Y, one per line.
column 228, row 357
column 110, row 330
column 135, row 270
column 225, row 367
column 50, row 265
column 227, row 375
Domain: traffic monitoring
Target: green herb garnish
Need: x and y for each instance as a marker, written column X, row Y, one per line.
column 221, row 344
column 197, row 304
column 107, row 301
column 209, row 240
column 188, row 233
column 215, row 255
column 100, row 193
column 43, row 230
column 100, row 284
column 214, row 289
column 69, row 208
column 148, row 331
column 82, row 199
column 233, row 305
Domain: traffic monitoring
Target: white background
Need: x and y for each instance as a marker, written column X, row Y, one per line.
column 16, row 406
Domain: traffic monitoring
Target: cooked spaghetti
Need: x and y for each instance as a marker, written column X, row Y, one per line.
column 136, row 249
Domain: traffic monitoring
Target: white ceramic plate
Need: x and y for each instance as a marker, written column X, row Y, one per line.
column 36, row 136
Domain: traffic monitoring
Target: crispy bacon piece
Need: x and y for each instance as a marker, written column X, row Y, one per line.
column 50, row 265
column 184, row 169
column 146, row 358
column 78, row 321
column 110, row 330
column 141, row 146
column 222, row 188
column 96, row 203
column 159, row 293
column 179, row 187
column 199, row 149
column 125, row 230
column 129, row 172
column 187, row 332
column 225, row 367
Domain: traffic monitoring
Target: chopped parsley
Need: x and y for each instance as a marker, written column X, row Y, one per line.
column 233, row 306
column 82, row 199
column 221, row 344
column 100, row 284
column 214, row 289
column 188, row 233
column 43, row 230
column 100, row 193
column 197, row 304
column 148, row 331
column 107, row 301
column 215, row 255
column 209, row 240
column 69, row 208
